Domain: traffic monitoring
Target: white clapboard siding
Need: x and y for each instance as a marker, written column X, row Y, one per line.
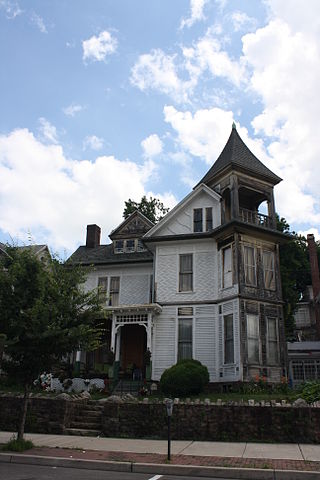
column 134, row 289
column 164, row 342
column 205, row 338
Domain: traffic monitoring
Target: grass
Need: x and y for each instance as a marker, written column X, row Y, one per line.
column 15, row 445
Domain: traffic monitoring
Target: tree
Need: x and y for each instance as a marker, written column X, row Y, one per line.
column 153, row 208
column 295, row 274
column 45, row 314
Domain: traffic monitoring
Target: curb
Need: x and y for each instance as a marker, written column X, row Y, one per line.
column 154, row 468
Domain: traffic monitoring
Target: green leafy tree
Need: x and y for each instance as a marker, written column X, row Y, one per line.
column 295, row 273
column 151, row 208
column 45, row 314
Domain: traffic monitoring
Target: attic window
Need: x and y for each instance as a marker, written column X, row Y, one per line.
column 118, row 246
column 202, row 219
column 130, row 246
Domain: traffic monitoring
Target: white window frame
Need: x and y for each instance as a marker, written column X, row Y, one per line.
column 254, row 266
column 254, row 338
column 182, row 317
column 185, row 273
column 203, row 219
column 273, row 341
column 225, row 273
column 119, row 249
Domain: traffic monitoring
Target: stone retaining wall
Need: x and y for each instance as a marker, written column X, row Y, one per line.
column 213, row 422
column 44, row 415
column 206, row 422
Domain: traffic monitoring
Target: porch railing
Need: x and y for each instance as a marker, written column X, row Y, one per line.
column 255, row 218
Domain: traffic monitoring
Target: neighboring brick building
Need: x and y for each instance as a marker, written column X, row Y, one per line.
column 203, row 283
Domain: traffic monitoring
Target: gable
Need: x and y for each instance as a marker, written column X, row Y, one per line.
column 180, row 220
column 135, row 226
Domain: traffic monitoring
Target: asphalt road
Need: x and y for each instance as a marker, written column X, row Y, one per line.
column 10, row 471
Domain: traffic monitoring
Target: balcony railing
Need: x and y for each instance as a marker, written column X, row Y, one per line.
column 255, row 218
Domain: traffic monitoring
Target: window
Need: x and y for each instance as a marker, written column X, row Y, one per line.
column 253, row 338
column 118, row 246
column 249, row 265
column 268, row 270
column 185, row 273
column 227, row 267
column 102, row 288
column 228, row 339
column 140, row 246
column 272, row 341
column 202, row 219
column 208, row 219
column 197, row 220
column 114, row 291
column 185, row 333
column 130, row 246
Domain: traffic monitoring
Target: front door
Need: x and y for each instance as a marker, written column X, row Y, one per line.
column 133, row 347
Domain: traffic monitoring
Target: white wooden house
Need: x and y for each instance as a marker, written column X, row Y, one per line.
column 203, row 283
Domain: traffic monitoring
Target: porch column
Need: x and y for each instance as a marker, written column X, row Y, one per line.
column 113, row 333
column 118, row 343
column 149, row 327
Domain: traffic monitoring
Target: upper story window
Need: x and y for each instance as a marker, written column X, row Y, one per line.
column 114, row 291
column 129, row 246
column 186, row 273
column 202, row 219
column 102, row 288
column 249, row 265
column 227, row 267
column 268, row 269
column 118, row 246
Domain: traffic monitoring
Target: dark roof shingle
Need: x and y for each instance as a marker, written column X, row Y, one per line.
column 236, row 154
column 104, row 255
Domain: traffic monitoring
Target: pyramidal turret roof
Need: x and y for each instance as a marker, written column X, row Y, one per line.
column 236, row 155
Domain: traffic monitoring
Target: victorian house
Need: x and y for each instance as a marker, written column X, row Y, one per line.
column 203, row 283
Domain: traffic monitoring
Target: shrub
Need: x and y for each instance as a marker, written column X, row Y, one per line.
column 187, row 377
column 311, row 392
column 15, row 445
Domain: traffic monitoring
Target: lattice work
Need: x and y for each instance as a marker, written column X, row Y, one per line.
column 131, row 318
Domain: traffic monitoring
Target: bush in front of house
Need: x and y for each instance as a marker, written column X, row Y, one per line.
column 187, row 377
column 310, row 392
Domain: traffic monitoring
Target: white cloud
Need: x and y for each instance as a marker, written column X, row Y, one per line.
column 196, row 14
column 240, row 20
column 151, row 146
column 72, row 110
column 97, row 48
column 48, row 131
column 283, row 58
column 11, row 8
column 54, row 197
column 93, row 142
column 313, row 231
column 38, row 22
column 157, row 71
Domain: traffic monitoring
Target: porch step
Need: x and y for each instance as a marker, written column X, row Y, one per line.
column 82, row 432
column 127, row 386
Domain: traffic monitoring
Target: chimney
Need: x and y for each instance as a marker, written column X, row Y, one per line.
column 93, row 236
column 313, row 257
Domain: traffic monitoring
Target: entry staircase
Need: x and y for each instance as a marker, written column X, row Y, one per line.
column 86, row 420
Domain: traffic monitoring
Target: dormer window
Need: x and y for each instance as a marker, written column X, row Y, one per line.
column 202, row 219
column 140, row 246
column 130, row 246
column 118, row 246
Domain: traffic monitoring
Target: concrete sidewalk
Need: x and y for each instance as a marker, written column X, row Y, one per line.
column 285, row 451
column 254, row 460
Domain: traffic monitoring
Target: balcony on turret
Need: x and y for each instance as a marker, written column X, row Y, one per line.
column 255, row 218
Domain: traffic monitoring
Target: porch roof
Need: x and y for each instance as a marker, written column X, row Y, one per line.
column 136, row 308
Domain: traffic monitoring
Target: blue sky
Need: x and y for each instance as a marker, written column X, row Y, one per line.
column 111, row 99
